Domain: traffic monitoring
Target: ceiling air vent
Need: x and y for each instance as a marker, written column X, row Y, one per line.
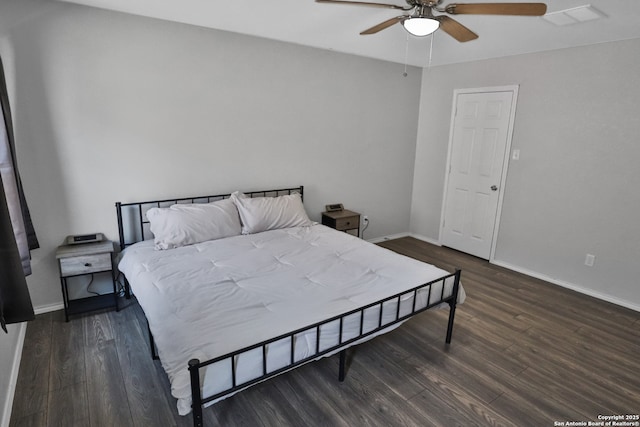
column 574, row 15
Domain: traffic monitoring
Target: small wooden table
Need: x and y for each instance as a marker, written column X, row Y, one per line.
column 84, row 259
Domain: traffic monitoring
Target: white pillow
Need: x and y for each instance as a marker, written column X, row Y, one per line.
column 269, row 213
column 186, row 224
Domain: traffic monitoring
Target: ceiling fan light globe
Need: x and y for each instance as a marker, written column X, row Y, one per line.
column 420, row 27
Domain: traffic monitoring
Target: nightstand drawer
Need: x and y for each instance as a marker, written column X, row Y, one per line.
column 85, row 264
column 348, row 223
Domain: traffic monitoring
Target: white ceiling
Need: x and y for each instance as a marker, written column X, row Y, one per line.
column 337, row 27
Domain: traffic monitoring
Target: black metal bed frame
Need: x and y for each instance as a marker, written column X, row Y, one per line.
column 194, row 365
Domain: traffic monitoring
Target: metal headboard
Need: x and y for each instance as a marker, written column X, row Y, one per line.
column 133, row 225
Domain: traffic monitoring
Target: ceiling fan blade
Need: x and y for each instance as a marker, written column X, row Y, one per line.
column 456, row 29
column 524, row 9
column 362, row 3
column 386, row 24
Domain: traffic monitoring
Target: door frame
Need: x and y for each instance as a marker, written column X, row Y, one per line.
column 505, row 160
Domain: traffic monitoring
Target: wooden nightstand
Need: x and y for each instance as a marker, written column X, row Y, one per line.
column 84, row 259
column 344, row 220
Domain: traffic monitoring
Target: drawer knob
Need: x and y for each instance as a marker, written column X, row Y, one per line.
column 87, row 264
column 348, row 223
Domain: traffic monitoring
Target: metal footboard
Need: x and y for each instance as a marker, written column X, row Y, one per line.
column 198, row 401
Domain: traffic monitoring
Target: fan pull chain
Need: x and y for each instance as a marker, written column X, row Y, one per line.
column 430, row 50
column 406, row 56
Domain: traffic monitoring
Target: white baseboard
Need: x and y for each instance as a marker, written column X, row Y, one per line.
column 568, row 285
column 425, row 239
column 48, row 308
column 400, row 235
column 13, row 378
column 389, row 237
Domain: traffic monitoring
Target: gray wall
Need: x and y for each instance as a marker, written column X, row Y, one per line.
column 575, row 189
column 111, row 107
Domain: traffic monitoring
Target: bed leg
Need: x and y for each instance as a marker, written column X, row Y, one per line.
column 196, row 397
column 152, row 344
column 343, row 361
column 452, row 306
column 127, row 289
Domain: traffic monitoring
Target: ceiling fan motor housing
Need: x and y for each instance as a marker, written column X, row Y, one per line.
column 426, row 3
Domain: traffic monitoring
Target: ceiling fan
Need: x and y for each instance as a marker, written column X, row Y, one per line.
column 421, row 21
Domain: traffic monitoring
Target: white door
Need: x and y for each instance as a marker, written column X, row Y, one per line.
column 480, row 137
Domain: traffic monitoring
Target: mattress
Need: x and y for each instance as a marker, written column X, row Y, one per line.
column 212, row 298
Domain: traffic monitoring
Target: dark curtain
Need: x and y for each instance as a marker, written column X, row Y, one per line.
column 17, row 235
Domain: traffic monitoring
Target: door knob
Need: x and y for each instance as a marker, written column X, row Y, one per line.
column 494, row 188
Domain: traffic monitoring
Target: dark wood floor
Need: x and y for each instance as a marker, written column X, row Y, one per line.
column 524, row 353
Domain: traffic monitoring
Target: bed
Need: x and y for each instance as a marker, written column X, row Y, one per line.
column 260, row 289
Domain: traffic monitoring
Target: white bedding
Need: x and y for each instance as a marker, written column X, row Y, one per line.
column 215, row 297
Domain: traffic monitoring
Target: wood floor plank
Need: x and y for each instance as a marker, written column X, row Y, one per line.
column 503, row 317
column 32, row 387
column 106, row 393
column 398, row 377
column 374, row 401
column 108, row 400
column 234, row 412
column 517, row 407
column 621, row 345
column 37, row 419
column 97, row 330
column 471, row 343
column 275, row 402
column 571, row 392
column 587, row 377
column 68, row 406
column 348, row 399
column 484, row 329
column 272, row 407
column 28, row 402
column 616, row 367
column 524, row 352
column 67, row 352
column 149, row 405
column 548, row 403
column 481, row 384
column 443, row 404
column 307, row 402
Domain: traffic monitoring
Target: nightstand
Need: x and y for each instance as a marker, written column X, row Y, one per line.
column 86, row 259
column 344, row 220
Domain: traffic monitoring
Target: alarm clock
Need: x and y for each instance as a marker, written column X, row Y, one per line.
column 84, row 238
column 337, row 207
